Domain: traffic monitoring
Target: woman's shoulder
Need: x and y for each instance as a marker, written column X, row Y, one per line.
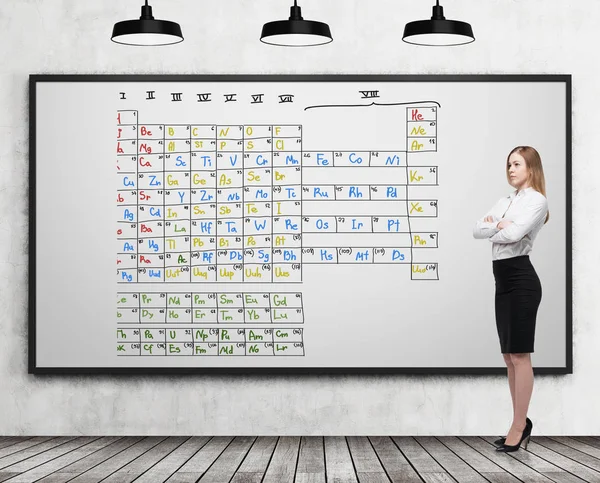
column 536, row 197
column 535, row 194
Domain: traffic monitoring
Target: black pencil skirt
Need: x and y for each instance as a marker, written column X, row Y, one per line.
column 518, row 296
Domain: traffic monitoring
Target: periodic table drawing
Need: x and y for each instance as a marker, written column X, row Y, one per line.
column 320, row 223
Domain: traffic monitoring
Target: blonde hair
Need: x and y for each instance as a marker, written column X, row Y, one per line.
column 533, row 162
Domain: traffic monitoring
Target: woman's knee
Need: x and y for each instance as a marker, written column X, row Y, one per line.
column 507, row 360
column 520, row 359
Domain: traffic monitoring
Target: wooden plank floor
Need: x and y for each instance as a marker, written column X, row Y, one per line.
column 246, row 459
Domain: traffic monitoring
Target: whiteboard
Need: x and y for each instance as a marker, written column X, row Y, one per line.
column 296, row 224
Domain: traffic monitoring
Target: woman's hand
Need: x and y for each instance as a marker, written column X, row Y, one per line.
column 489, row 219
column 503, row 224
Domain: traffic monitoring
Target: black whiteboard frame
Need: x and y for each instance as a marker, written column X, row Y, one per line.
column 34, row 79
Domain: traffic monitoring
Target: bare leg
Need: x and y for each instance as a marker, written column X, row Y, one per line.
column 523, row 390
column 511, row 379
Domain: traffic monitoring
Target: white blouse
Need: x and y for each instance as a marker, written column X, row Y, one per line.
column 527, row 210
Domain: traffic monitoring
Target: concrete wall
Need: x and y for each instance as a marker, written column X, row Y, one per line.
column 69, row 36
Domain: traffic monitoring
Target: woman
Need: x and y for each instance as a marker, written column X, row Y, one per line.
column 512, row 226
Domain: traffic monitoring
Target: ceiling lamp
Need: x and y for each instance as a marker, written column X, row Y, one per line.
column 296, row 32
column 147, row 30
column 438, row 31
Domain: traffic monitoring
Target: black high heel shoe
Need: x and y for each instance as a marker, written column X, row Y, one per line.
column 501, row 441
column 523, row 441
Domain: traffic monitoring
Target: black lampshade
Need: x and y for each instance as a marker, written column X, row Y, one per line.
column 438, row 31
column 296, row 32
column 147, row 30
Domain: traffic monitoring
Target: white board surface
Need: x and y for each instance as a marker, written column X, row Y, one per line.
column 286, row 223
